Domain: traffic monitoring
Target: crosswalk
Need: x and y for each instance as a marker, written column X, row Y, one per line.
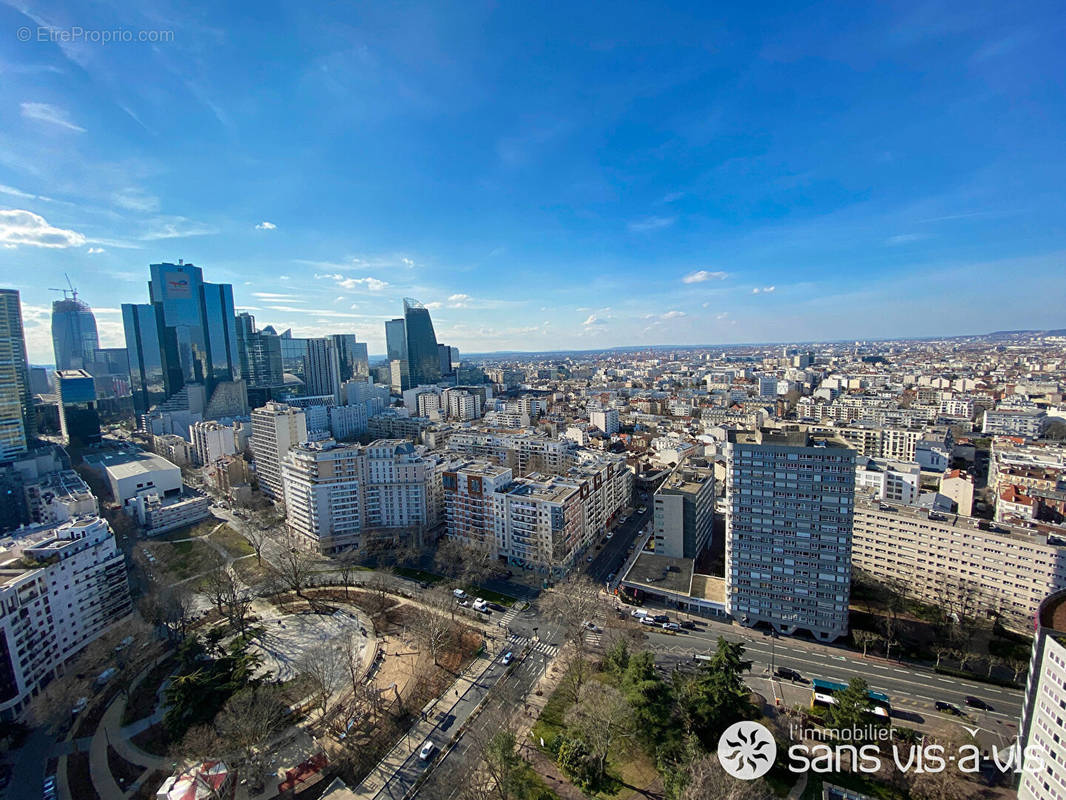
column 593, row 639
column 537, row 646
column 508, row 617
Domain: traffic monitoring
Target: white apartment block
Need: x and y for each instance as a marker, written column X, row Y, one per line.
column 1043, row 726
column 428, row 405
column 540, row 523
column 684, row 512
column 606, row 420
column 212, row 440
column 403, row 485
column 789, row 531
column 276, row 429
column 523, row 453
column 957, row 407
column 347, row 422
column 1025, row 422
column 324, row 484
column 951, row 561
column 463, row 406
column 58, row 497
column 891, row 481
column 74, row 589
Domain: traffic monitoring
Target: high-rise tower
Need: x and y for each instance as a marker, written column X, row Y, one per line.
column 17, row 421
column 423, row 360
column 74, row 337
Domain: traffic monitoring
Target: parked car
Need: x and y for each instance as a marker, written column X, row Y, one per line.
column 647, row 621
column 459, row 593
column 496, row 607
column 639, row 613
column 671, row 626
column 480, row 604
column 787, row 674
column 610, row 535
column 661, row 618
column 688, row 625
column 978, row 703
column 508, row 657
column 589, row 559
column 426, row 751
column 948, row 708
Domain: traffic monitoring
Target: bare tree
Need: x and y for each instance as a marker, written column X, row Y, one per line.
column 434, row 631
column 1017, row 666
column 865, row 638
column 324, row 668
column 351, row 646
column 246, row 724
column 293, row 568
column 940, row 651
column 602, row 719
column 214, row 587
column 705, row 779
column 347, row 567
column 573, row 602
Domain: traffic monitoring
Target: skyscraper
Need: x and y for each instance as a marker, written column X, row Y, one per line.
column 74, row 337
column 259, row 354
column 323, row 369
column 423, row 360
column 143, row 326
column 79, row 420
column 788, row 531
column 352, row 356
column 396, row 350
column 193, row 331
column 17, row 422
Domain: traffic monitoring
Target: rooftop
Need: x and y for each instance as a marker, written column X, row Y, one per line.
column 661, row 573
column 129, row 463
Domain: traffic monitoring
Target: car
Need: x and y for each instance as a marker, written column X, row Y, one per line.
column 948, row 708
column 589, row 559
column 661, row 618
column 447, row 722
column 978, row 703
column 610, row 535
column 688, row 625
column 480, row 604
column 642, row 509
column 670, row 626
column 508, row 657
column 496, row 607
column 459, row 594
column 79, row 706
column 426, row 751
column 639, row 612
column 647, row 621
column 787, row 674
column 592, row 627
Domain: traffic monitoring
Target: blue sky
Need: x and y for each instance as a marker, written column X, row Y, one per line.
column 545, row 175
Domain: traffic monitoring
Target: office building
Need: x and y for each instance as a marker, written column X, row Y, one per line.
column 276, row 429
column 396, row 353
column 323, row 376
column 444, row 353
column 40, row 382
column 17, row 417
column 259, row 354
column 61, row 587
column 788, row 531
column 423, row 359
column 1043, row 726
column 79, row 420
column 74, row 337
column 683, row 509
column 961, row 564
column 187, row 331
column 352, row 357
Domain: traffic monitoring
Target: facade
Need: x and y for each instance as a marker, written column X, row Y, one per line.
column 79, row 421
column 1026, row 422
column 276, row 429
column 144, row 348
column 683, row 510
column 74, row 337
column 352, row 358
column 788, row 531
column 390, row 424
column 347, row 422
column 324, row 495
column 323, row 376
column 73, row 590
column 606, row 420
column 133, row 472
column 522, row 453
column 403, row 485
column 891, row 481
column 17, row 417
column 396, row 351
column 58, row 497
column 259, row 354
column 211, row 440
column 959, row 562
column 540, row 523
column 469, row 503
column 423, row 360
column 1043, row 727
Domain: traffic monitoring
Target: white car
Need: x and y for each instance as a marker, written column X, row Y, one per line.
column 426, row 751
column 593, row 628
column 508, row 657
column 610, row 535
column 480, row 605
column 459, row 594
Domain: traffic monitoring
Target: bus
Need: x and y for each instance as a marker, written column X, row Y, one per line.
column 824, row 694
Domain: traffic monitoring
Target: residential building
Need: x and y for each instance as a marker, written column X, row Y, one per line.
column 174, row 449
column 347, row 422
column 469, row 503
column 683, row 509
column 211, row 440
column 276, row 429
column 58, row 497
column 395, row 424
column 957, row 485
column 540, row 523
column 324, row 495
column 1006, row 421
column 61, row 587
column 891, row 481
column 462, row 406
column 788, row 531
column 79, row 421
column 1043, row 725
column 17, row 417
column 605, row 419
column 403, row 485
column 523, row 453
column 959, row 563
column 74, row 337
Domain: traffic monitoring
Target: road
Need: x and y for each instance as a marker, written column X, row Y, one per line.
column 911, row 688
column 613, row 554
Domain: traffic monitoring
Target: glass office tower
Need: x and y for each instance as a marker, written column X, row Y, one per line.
column 423, row 360
column 74, row 337
column 17, row 420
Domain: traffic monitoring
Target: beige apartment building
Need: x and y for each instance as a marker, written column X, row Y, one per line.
column 948, row 560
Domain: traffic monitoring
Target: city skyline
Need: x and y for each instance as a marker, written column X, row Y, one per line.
column 666, row 177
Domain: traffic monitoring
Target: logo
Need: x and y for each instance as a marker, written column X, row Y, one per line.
column 747, row 750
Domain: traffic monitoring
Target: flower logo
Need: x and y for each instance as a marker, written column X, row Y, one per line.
column 747, row 750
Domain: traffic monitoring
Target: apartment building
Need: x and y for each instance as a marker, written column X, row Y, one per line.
column 324, row 485
column 1025, row 422
column 523, row 453
column 403, row 485
column 893, row 481
column 789, row 531
column 606, row 420
column 958, row 562
column 61, row 587
column 276, row 429
column 212, row 440
column 684, row 512
column 58, row 497
column 469, row 502
column 540, row 523
column 1043, row 726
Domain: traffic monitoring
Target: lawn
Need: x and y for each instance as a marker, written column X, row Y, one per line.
column 232, row 542
column 202, row 528
column 181, row 560
column 419, row 575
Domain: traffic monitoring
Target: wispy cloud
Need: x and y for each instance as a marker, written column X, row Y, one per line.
column 95, row 251
column 372, row 284
column 651, row 224
column 134, row 199
column 674, row 314
column 43, row 112
column 21, row 227
column 905, row 238
column 276, row 296
column 592, row 320
column 701, row 275
column 266, row 226
column 764, row 290
column 176, row 228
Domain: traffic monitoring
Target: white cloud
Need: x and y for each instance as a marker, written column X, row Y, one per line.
column 407, row 262
column 284, row 278
column 706, row 305
column 905, row 238
column 177, row 228
column 133, row 199
column 701, row 275
column 43, row 112
column 275, row 296
column 434, row 305
column 373, row 284
column 266, row 226
column 18, row 226
column 592, row 320
column 722, row 315
column 459, row 301
column 95, row 250
column 674, row 315
column 763, row 290
column 651, row 224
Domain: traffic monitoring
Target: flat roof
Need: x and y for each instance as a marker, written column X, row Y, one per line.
column 661, row 573
column 130, row 463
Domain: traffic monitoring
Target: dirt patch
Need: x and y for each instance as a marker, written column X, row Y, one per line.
column 79, row 778
column 122, row 770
